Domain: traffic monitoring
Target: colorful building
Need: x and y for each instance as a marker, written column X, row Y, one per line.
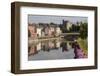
column 32, row 30
column 43, row 30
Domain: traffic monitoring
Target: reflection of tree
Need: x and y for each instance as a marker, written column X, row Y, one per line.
column 64, row 46
column 45, row 46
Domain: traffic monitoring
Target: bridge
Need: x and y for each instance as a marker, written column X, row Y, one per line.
column 63, row 34
column 53, row 38
column 69, row 34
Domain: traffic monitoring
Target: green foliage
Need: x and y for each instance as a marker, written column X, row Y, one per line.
column 83, row 44
column 75, row 28
column 83, row 30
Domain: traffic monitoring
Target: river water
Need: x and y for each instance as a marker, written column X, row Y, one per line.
column 52, row 49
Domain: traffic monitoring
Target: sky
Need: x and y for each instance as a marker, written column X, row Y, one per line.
column 55, row 19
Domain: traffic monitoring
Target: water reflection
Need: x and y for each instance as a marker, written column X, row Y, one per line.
column 54, row 49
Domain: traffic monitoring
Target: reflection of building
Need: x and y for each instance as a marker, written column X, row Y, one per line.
column 38, row 46
column 32, row 50
column 58, row 44
column 51, row 44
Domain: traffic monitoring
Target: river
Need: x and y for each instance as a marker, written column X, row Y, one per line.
column 53, row 49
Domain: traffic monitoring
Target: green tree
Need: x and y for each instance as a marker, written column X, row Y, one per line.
column 83, row 30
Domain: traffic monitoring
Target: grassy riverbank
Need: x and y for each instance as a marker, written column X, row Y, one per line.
column 83, row 44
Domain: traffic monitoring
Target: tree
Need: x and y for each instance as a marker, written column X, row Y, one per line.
column 83, row 30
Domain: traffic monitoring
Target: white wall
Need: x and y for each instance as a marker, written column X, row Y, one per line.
column 5, row 42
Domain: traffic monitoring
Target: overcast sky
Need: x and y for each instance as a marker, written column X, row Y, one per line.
column 54, row 19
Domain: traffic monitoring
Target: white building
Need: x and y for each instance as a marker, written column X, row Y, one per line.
column 39, row 30
column 58, row 31
column 69, row 25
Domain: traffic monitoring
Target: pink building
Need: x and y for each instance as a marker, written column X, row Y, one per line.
column 49, row 31
column 32, row 30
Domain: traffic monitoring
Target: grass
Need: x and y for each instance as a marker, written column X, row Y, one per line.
column 83, row 44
